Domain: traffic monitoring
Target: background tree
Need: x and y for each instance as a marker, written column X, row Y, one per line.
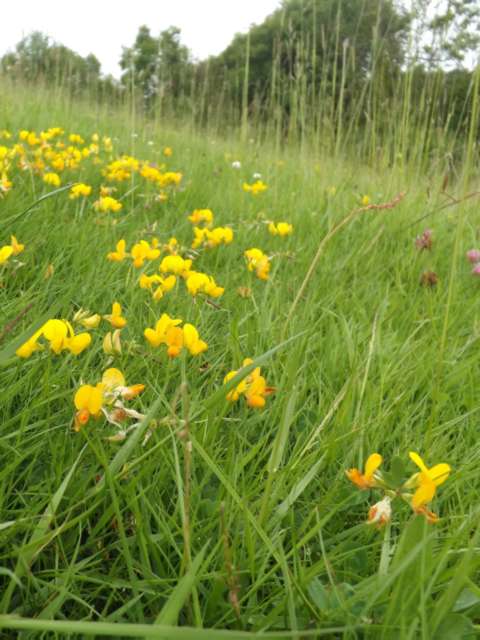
column 37, row 58
column 158, row 66
column 139, row 63
column 446, row 32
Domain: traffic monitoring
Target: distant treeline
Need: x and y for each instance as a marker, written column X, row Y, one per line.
column 328, row 68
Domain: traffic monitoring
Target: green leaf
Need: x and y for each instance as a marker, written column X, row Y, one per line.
column 455, row 626
column 397, row 471
column 178, row 597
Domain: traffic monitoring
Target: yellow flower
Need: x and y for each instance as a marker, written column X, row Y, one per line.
column 259, row 262
column 427, row 481
column 255, row 188
column 235, row 394
column 198, row 282
column 164, row 284
column 211, row 238
column 56, row 332
column 167, row 331
column 167, row 152
column 280, row 229
column 5, row 253
column 61, row 336
column 115, row 318
column 142, row 251
column 175, row 264
column 368, row 479
column 75, row 138
column 52, row 179
column 88, row 401
column 106, row 203
column 170, row 178
column 257, row 390
column 253, row 387
column 80, row 189
column 158, row 336
column 16, row 246
column 200, row 235
column 120, row 253
column 201, row 215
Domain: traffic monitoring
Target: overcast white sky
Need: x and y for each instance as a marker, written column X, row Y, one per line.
column 103, row 26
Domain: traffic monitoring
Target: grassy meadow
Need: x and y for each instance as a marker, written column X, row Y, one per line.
column 195, row 516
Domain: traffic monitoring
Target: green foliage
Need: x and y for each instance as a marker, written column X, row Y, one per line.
column 156, row 66
column 447, row 32
column 313, row 38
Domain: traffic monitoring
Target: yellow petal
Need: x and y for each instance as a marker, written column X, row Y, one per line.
column 190, row 335
column 423, row 494
column 113, row 378
column 117, row 345
column 82, row 396
column 5, row 253
column 154, row 338
column 414, row 457
column 96, row 399
column 372, row 464
column 439, row 473
column 107, row 343
column 55, row 329
column 79, row 343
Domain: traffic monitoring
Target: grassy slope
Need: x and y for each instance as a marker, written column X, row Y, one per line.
column 382, row 365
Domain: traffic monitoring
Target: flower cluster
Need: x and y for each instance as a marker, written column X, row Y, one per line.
column 59, row 335
column 209, row 239
column 198, row 282
column 167, row 331
column 201, row 216
column 106, row 204
column 253, row 387
column 106, row 398
column 280, row 229
column 259, row 262
column 423, row 484
column 52, row 153
column 255, row 188
column 157, row 285
column 80, row 190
